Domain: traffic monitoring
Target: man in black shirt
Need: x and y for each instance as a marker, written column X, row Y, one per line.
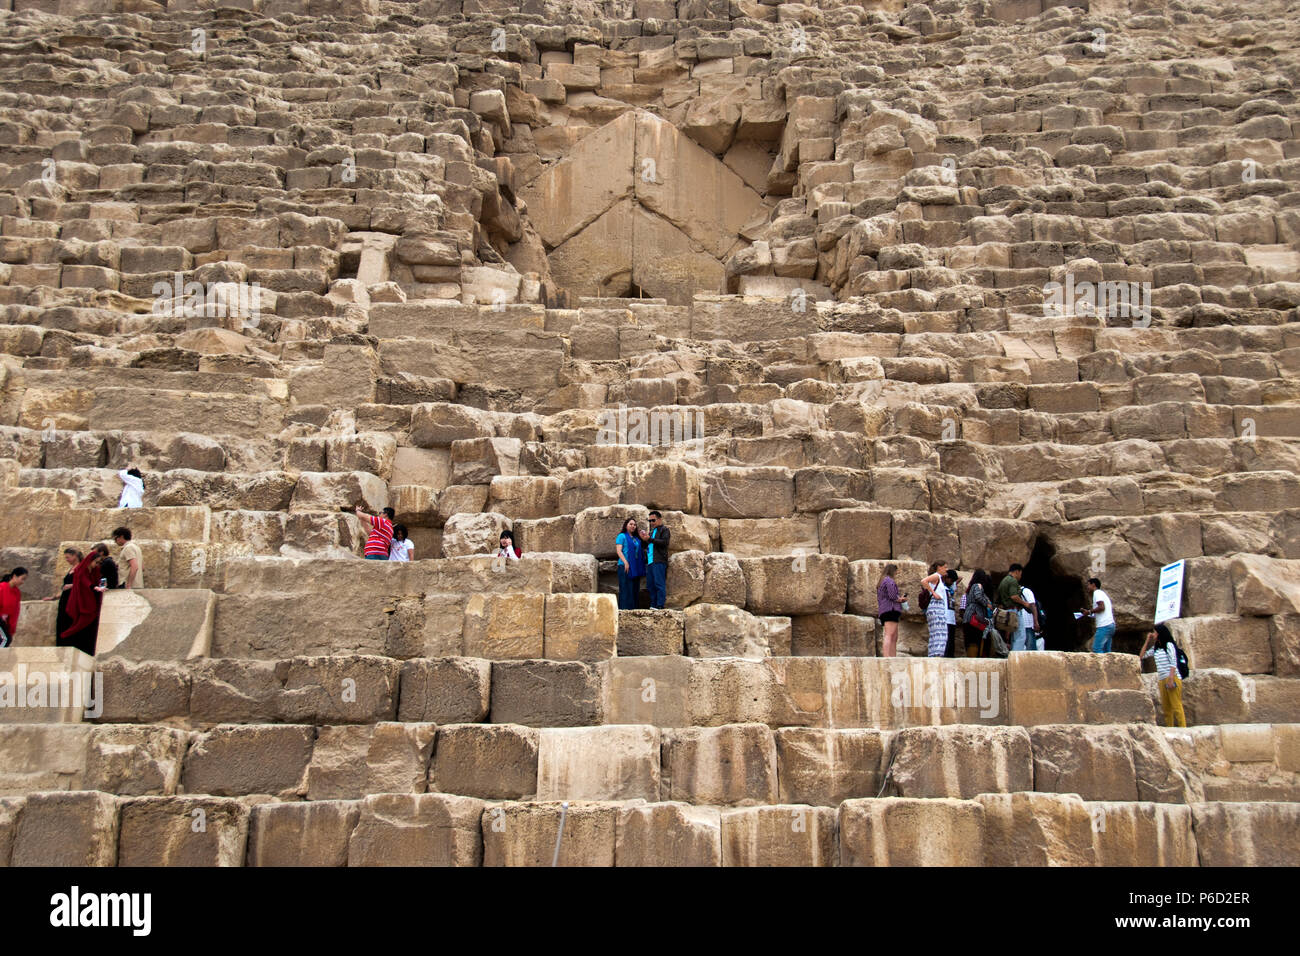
column 657, row 542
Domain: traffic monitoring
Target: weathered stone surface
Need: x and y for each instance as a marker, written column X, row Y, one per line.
column 897, row 831
column 445, row 690
column 492, row 761
column 598, row 763
column 663, row 834
column 1122, row 762
column 312, row 833
column 234, row 761
column 1036, row 829
column 425, row 829
column 826, row 767
column 582, row 627
column 1245, row 834
column 347, row 762
column 525, row 834
column 805, row 584
column 1142, row 834
column 960, row 761
column 734, row 765
column 153, row 624
column 719, row 630
column 67, row 829
column 650, row 632
column 779, row 836
column 546, row 693
column 182, row 831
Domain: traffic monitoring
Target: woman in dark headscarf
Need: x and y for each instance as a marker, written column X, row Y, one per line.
column 84, row 600
column 61, row 622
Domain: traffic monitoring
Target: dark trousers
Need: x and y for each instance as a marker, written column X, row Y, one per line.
column 956, row 642
column 628, row 589
column 656, row 582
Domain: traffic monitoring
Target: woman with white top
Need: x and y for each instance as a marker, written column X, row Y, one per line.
column 400, row 548
column 936, row 612
column 132, row 488
column 1160, row 647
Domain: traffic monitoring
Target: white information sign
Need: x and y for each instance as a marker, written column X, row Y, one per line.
column 1169, row 596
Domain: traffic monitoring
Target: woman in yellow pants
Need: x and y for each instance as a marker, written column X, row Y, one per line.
column 1160, row 646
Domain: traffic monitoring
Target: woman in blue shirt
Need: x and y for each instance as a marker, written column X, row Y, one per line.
column 631, row 565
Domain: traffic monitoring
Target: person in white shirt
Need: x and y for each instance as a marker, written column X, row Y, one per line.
column 132, row 488
column 400, row 548
column 1029, row 619
column 1161, row 648
column 1102, row 612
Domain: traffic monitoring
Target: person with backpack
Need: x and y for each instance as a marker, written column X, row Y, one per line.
column 1161, row 648
column 977, row 618
column 934, row 598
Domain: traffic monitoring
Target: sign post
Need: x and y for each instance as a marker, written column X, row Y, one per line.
column 1169, row 595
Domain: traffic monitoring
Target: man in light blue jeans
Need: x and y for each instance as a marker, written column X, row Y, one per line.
column 1102, row 611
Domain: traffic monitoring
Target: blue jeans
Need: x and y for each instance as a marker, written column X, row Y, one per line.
column 1101, row 640
column 656, row 582
column 1018, row 636
column 628, row 589
column 376, row 557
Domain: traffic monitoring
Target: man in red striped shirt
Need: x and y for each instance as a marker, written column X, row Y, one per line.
column 381, row 533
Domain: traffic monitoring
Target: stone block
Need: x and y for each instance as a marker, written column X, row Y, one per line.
column 447, row 690
column 779, row 836
column 492, row 761
column 650, row 633
column 612, row 762
column 254, row 759
column 826, row 767
column 960, row 761
column 729, row 765
column 668, row 834
column 546, row 693
column 424, row 829
column 505, row 626
column 313, row 833
column 67, row 829
column 581, row 627
column 525, row 834
column 182, row 831
column 897, row 831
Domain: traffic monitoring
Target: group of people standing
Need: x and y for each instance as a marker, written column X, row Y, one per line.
column 386, row 541
column 969, row 624
column 643, row 554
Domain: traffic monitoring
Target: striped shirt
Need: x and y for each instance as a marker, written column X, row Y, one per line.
column 1165, row 661
column 381, row 535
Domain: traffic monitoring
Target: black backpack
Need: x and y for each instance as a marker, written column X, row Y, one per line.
column 925, row 598
column 1181, row 657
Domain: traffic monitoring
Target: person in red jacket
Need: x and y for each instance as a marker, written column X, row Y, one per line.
column 11, row 604
column 84, row 600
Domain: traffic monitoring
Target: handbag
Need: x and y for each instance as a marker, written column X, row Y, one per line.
column 976, row 621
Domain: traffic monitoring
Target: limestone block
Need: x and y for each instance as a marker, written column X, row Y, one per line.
column 1237, row 643
column 720, row 630
column 729, row 765
column 547, row 693
column 347, row 762
column 505, row 626
column 143, row 691
column 425, row 829
column 525, row 834
column 476, row 461
column 302, row 834
column 650, row 633
column 47, row 685
column 527, row 496
column 570, row 573
column 67, row 829
column 182, row 831
column 445, row 690
column 897, row 831
column 833, row 635
column 826, row 767
column 580, row 627
column 1118, row 762
column 747, row 493
column 668, row 834
column 806, row 584
column 856, row 533
column 1142, row 834
column 960, row 761
column 156, row 624
column 756, row 538
column 134, row 761
column 1240, row 834
column 598, row 763
column 468, row 534
column 234, row 761
column 492, row 761
column 330, row 491
column 779, row 836
column 1036, row 829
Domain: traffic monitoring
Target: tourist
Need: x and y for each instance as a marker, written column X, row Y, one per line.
column 400, row 548
column 889, row 605
column 1029, row 619
column 631, row 565
column 657, row 543
column 84, row 602
column 61, row 619
column 936, row 610
column 977, row 617
column 1161, row 647
column 11, row 604
column 381, row 533
column 131, row 557
column 508, row 550
column 956, row 646
column 1103, row 614
column 132, row 488
column 1009, row 599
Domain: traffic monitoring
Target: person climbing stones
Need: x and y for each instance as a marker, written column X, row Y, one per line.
column 381, row 533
